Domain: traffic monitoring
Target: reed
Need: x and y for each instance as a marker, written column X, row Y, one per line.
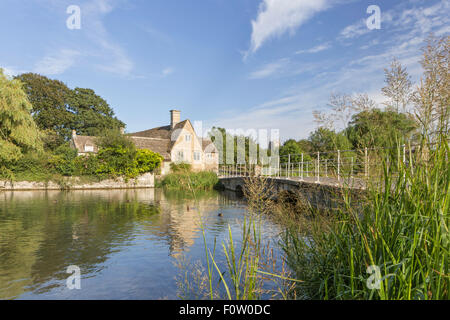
column 250, row 270
column 402, row 230
column 203, row 180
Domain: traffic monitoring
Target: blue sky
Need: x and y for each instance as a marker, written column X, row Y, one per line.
column 243, row 64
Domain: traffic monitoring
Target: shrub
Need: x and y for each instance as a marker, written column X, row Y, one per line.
column 116, row 161
column 147, row 161
column 180, row 167
column 63, row 160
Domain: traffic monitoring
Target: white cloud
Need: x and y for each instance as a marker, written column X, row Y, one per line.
column 357, row 29
column 114, row 58
column 291, row 112
column 276, row 17
column 269, row 69
column 167, row 71
column 320, row 47
column 11, row 71
column 56, row 63
column 418, row 20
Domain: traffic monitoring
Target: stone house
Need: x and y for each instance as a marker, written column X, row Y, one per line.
column 177, row 143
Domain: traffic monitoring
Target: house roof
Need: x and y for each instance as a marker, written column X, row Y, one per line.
column 81, row 141
column 161, row 146
column 156, row 139
column 164, row 132
column 208, row 146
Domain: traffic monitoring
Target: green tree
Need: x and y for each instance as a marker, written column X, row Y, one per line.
column 112, row 138
column 220, row 137
column 18, row 132
column 92, row 114
column 58, row 110
column 291, row 147
column 377, row 128
column 326, row 140
column 50, row 110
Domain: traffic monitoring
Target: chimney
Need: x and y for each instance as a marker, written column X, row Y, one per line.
column 122, row 130
column 174, row 118
column 74, row 133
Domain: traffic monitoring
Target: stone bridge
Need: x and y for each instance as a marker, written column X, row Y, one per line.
column 320, row 194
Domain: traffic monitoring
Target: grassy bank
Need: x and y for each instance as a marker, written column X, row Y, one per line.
column 183, row 178
column 396, row 247
column 190, row 180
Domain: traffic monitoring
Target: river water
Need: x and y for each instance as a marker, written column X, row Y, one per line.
column 127, row 244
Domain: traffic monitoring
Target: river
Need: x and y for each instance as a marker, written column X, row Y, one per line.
column 127, row 244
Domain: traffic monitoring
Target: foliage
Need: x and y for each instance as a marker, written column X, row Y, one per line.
column 18, row 132
column 293, row 148
column 63, row 160
column 245, row 148
column 49, row 99
column 115, row 161
column 93, row 115
column 402, row 228
column 147, row 160
column 180, row 167
column 120, row 161
column 60, row 109
column 203, row 180
column 325, row 140
column 32, row 167
column 112, row 138
column 382, row 129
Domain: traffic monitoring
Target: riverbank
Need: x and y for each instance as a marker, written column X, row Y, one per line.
column 146, row 180
column 188, row 180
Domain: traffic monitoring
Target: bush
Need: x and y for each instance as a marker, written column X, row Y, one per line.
column 32, row 166
column 63, row 160
column 86, row 165
column 147, row 161
column 116, row 161
column 180, row 167
column 117, row 157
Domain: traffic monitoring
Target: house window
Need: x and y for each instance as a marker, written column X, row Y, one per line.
column 180, row 156
column 88, row 148
column 187, row 137
column 197, row 156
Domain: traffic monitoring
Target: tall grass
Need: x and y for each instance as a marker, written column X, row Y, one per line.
column 203, row 180
column 250, row 266
column 402, row 229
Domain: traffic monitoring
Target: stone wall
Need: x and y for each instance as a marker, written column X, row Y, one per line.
column 73, row 183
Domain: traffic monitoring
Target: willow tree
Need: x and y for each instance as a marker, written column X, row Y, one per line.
column 18, row 131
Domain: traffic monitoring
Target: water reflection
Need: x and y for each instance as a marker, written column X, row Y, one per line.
column 124, row 241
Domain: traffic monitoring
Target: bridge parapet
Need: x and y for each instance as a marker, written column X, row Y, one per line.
column 321, row 195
